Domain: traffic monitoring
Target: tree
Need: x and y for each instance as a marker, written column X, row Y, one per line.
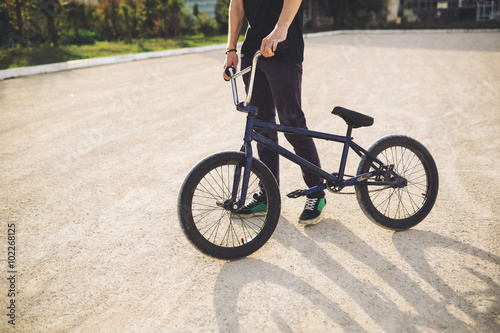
column 52, row 8
column 206, row 25
column 339, row 11
column 222, row 15
column 162, row 10
column 19, row 20
column 169, row 12
column 369, row 5
column 148, row 15
column 13, row 28
column 125, row 9
column 109, row 20
column 74, row 9
column 174, row 16
column 6, row 25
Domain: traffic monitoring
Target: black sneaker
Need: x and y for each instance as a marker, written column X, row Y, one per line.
column 312, row 211
column 255, row 207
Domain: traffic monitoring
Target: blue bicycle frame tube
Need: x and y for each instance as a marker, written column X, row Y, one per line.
column 346, row 140
column 250, row 135
column 301, row 131
column 293, row 157
column 248, row 160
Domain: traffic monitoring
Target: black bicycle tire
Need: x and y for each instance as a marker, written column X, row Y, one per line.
column 185, row 200
column 428, row 197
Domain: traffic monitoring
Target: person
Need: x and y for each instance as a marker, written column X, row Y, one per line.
column 277, row 87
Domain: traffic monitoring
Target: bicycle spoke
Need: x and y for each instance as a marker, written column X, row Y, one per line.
column 405, row 202
column 213, row 221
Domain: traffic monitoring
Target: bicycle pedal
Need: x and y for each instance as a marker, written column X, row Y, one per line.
column 295, row 194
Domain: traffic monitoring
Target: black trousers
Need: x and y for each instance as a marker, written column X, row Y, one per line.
column 277, row 91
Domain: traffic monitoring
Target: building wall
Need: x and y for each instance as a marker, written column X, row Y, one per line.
column 207, row 6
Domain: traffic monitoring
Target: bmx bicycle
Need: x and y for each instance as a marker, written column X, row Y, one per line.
column 396, row 184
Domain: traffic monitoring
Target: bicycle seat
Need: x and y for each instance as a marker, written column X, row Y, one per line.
column 353, row 118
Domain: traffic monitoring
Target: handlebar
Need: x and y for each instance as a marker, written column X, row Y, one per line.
column 230, row 71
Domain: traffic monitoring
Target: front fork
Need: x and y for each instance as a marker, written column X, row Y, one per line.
column 247, row 149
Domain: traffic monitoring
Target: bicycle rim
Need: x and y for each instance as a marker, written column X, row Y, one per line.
column 214, row 221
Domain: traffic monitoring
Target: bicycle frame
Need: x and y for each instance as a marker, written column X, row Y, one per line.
column 335, row 181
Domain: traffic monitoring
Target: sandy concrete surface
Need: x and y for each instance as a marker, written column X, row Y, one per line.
column 91, row 162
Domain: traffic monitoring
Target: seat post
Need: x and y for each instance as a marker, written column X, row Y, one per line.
column 349, row 131
column 345, row 152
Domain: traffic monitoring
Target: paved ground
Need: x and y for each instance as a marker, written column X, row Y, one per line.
column 92, row 160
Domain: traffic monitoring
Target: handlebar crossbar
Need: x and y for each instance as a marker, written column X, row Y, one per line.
column 234, row 76
column 230, row 71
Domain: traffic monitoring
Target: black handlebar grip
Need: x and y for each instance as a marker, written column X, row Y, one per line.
column 228, row 72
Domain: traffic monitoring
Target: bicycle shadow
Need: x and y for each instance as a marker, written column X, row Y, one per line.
column 370, row 299
column 412, row 246
column 234, row 276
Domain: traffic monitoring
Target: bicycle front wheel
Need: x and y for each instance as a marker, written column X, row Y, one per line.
column 393, row 207
column 206, row 206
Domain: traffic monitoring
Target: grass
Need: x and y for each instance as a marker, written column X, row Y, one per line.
column 44, row 54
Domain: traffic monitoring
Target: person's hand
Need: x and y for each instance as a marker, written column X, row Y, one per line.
column 231, row 60
column 268, row 46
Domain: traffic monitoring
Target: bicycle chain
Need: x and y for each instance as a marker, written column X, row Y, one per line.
column 351, row 193
column 337, row 191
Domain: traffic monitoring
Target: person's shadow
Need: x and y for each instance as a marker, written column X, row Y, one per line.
column 411, row 246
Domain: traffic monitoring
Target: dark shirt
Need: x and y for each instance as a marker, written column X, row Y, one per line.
column 262, row 16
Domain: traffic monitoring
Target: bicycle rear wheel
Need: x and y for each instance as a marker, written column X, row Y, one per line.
column 399, row 208
column 206, row 212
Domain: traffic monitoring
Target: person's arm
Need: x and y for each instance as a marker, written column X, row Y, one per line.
column 236, row 19
column 290, row 9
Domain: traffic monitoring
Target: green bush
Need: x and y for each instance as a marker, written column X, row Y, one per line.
column 206, row 25
column 84, row 37
column 187, row 23
column 222, row 15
